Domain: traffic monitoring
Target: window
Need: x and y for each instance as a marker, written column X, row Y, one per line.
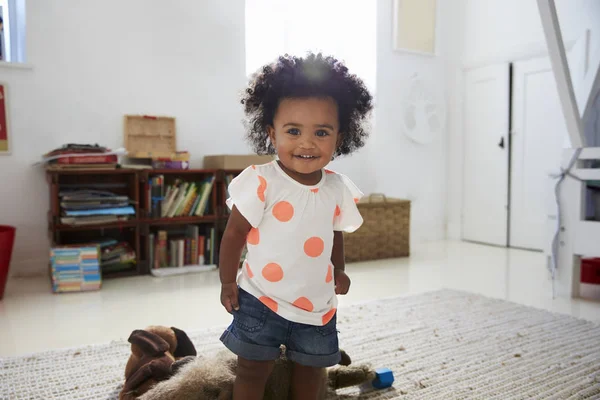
column 345, row 29
column 12, row 31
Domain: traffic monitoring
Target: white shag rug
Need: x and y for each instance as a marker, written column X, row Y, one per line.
column 440, row 345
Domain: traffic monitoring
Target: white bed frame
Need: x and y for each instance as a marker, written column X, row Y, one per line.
column 577, row 237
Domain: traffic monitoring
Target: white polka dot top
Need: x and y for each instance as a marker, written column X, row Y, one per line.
column 288, row 265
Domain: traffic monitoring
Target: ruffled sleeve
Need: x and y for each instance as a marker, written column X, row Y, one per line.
column 247, row 192
column 349, row 218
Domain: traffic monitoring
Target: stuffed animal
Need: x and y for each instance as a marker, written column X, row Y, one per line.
column 156, row 354
column 213, row 378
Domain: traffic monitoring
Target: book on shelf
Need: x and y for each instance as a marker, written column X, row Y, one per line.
column 114, row 211
column 151, row 250
column 179, row 165
column 203, row 205
column 181, row 198
column 117, row 257
column 176, row 156
column 81, row 154
column 161, row 254
column 93, row 220
column 82, row 206
column 182, row 247
column 88, row 161
column 156, row 194
column 76, row 167
column 228, row 179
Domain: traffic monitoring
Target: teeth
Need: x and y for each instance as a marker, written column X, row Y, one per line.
column 306, row 156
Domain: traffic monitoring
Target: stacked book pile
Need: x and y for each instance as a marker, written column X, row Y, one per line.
column 116, row 256
column 83, row 207
column 178, row 160
column 181, row 199
column 81, row 156
column 75, row 268
column 186, row 249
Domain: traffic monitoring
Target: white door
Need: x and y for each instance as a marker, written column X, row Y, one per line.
column 486, row 122
column 538, row 135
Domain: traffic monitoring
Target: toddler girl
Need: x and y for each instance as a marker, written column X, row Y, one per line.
column 291, row 213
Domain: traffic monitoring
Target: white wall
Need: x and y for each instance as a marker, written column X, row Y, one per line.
column 94, row 61
column 402, row 167
column 496, row 31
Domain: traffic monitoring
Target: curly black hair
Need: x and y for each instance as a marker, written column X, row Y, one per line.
column 312, row 76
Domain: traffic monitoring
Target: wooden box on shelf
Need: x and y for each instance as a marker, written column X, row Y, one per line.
column 148, row 136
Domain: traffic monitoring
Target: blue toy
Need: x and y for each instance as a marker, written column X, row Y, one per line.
column 383, row 379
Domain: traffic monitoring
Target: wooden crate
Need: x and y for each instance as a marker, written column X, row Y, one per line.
column 150, row 137
column 385, row 232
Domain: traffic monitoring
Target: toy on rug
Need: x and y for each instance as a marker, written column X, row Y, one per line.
column 163, row 366
column 156, row 354
column 213, row 378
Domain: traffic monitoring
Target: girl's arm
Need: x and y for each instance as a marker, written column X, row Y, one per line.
column 232, row 245
column 342, row 281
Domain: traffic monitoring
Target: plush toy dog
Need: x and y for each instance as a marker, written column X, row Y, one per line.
column 156, row 353
column 213, row 378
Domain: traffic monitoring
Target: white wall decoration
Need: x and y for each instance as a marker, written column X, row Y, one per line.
column 422, row 113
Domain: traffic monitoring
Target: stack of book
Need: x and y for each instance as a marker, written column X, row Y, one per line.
column 182, row 249
column 178, row 160
column 75, row 268
column 116, row 257
column 181, row 199
column 83, row 207
column 81, row 156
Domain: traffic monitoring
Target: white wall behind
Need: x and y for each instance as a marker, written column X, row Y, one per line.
column 402, row 167
column 495, row 31
column 95, row 61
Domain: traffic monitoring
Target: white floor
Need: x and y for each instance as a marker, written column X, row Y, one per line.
column 33, row 319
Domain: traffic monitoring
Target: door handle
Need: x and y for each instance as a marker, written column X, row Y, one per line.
column 501, row 144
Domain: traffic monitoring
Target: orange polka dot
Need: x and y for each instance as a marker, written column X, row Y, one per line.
column 269, row 302
column 329, row 172
column 261, row 188
column 253, row 237
column 338, row 211
column 314, row 247
column 356, row 199
column 254, row 167
column 304, row 304
column 329, row 276
column 327, row 317
column 283, row 211
column 315, row 190
column 272, row 272
column 249, row 271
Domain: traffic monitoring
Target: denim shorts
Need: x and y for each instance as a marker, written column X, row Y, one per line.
column 257, row 334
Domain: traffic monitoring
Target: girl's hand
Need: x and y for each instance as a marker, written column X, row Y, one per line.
column 342, row 282
column 229, row 296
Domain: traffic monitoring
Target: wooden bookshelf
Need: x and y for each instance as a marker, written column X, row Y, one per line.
column 136, row 230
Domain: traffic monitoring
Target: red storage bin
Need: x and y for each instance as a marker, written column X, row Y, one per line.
column 7, row 240
column 590, row 278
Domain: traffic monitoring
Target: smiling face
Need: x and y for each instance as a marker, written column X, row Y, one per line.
column 305, row 134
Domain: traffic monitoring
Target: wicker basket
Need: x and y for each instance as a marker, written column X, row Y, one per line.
column 385, row 232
